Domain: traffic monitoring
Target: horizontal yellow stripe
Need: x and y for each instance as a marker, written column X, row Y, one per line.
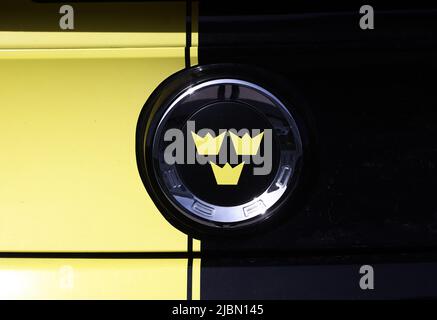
column 114, row 53
column 92, row 279
column 63, row 40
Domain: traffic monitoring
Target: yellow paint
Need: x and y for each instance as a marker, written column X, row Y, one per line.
column 68, row 173
column 196, row 279
column 195, row 35
column 71, row 40
column 87, row 54
column 194, row 56
column 69, row 104
column 93, row 279
column 196, row 245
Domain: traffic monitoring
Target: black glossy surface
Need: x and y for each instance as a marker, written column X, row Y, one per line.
column 372, row 96
column 200, row 179
column 283, row 279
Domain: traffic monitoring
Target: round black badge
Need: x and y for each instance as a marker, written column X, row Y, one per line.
column 221, row 153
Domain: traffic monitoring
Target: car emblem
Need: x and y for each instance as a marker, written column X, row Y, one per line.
column 221, row 154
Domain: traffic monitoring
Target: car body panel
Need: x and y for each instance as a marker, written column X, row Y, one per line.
column 75, row 219
column 93, row 279
column 69, row 107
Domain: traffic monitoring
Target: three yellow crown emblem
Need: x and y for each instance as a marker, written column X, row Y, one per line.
column 208, row 145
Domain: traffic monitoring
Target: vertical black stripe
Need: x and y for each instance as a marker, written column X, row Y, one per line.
column 187, row 65
column 188, row 33
column 190, row 269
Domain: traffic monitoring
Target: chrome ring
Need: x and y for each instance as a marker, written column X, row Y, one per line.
column 200, row 210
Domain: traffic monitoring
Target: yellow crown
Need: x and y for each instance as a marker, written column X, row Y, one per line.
column 208, row 145
column 246, row 145
column 227, row 175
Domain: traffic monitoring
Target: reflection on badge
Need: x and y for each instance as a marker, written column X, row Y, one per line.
column 223, row 153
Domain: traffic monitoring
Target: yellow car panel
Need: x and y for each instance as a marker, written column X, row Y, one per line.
column 69, row 182
column 69, row 106
column 196, row 279
column 93, row 279
column 83, row 40
column 69, row 178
